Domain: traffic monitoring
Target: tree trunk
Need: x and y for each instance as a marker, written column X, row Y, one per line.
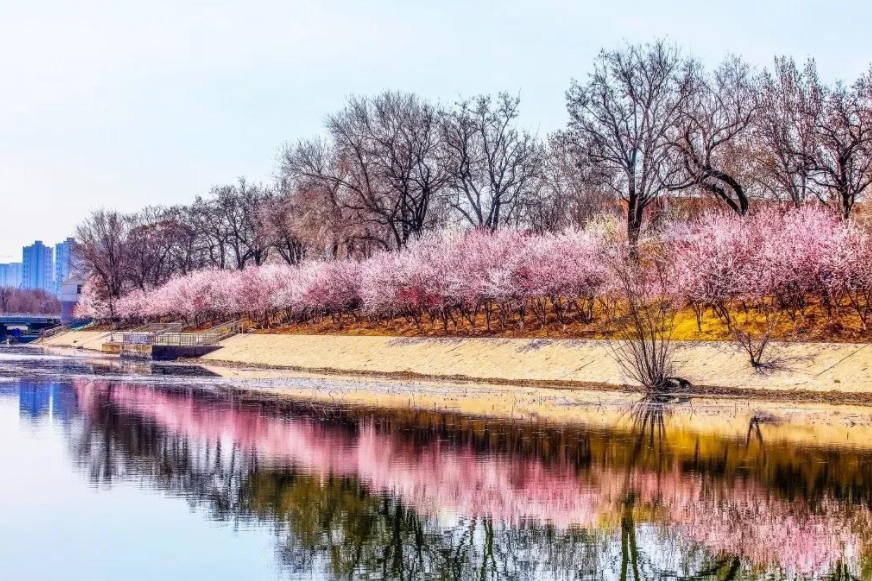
column 635, row 212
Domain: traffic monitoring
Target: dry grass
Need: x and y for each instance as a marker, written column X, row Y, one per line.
column 809, row 327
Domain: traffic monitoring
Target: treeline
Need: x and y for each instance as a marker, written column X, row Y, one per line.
column 32, row 301
column 647, row 126
column 769, row 266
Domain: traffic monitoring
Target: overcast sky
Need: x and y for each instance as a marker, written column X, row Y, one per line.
column 122, row 104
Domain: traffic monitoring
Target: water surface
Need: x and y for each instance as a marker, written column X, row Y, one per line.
column 112, row 471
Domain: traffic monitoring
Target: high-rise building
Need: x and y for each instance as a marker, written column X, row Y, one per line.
column 63, row 261
column 10, row 275
column 37, row 267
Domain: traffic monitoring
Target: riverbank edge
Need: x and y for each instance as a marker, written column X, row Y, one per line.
column 821, row 372
column 695, row 391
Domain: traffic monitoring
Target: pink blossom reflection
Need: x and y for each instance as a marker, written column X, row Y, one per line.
column 728, row 517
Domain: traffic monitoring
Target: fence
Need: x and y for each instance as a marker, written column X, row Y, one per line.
column 52, row 331
column 207, row 337
column 146, row 334
column 172, row 335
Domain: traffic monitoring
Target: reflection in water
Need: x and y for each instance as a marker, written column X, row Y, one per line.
column 37, row 399
column 405, row 494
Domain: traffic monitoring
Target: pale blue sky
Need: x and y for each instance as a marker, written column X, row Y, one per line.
column 121, row 104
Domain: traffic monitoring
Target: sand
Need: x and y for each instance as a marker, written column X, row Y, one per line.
column 801, row 370
column 814, row 367
column 562, row 382
column 91, row 340
column 806, row 423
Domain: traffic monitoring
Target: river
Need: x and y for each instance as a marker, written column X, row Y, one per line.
column 166, row 472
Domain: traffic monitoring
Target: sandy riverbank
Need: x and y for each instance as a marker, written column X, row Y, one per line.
column 526, row 376
column 775, row 421
column 804, row 371
column 90, row 340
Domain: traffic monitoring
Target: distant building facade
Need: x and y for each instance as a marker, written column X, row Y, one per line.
column 37, row 267
column 63, row 262
column 69, row 295
column 10, row 275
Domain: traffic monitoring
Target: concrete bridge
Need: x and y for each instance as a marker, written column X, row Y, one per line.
column 25, row 327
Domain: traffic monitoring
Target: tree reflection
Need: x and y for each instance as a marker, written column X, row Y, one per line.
column 410, row 495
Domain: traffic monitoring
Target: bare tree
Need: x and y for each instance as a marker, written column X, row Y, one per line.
column 712, row 129
column 184, row 240
column 381, row 163
column 161, row 242
column 567, row 195
column 843, row 158
column 785, row 129
column 238, row 210
column 33, row 301
column 102, row 249
column 335, row 227
column 493, row 165
column 406, row 141
column 213, row 233
column 149, row 246
column 621, row 120
column 6, row 295
column 285, row 221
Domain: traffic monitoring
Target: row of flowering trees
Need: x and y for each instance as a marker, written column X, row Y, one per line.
column 770, row 262
column 392, row 167
column 775, row 263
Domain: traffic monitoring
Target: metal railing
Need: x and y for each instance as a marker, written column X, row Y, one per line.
column 146, row 334
column 207, row 337
column 52, row 331
column 29, row 317
column 172, row 335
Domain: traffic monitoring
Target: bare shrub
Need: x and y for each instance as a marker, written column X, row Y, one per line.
column 644, row 343
column 754, row 343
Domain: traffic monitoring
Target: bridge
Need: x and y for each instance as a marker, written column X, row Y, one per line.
column 25, row 327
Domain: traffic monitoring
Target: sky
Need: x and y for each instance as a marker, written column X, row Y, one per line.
column 124, row 104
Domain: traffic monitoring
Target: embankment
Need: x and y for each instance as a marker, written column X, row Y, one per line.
column 799, row 367
column 799, row 371
column 91, row 340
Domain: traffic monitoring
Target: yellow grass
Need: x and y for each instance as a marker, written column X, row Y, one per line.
column 809, row 326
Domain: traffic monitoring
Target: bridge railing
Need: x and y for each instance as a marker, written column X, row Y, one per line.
column 29, row 316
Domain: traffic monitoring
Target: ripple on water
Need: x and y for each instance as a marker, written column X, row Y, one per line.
column 339, row 491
